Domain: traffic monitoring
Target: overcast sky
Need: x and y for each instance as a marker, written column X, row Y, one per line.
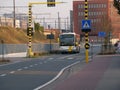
column 47, row 12
column 63, row 9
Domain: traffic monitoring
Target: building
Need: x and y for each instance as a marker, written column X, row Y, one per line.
column 21, row 20
column 6, row 21
column 55, row 32
column 98, row 13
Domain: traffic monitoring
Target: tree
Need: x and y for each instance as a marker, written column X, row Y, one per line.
column 38, row 27
column 107, row 28
column 117, row 5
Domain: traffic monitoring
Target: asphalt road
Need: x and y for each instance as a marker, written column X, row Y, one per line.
column 29, row 74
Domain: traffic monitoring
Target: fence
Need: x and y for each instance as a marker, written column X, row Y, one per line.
column 16, row 48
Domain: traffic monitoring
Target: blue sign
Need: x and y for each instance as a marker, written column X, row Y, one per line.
column 86, row 24
column 101, row 34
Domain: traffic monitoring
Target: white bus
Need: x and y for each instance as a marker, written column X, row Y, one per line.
column 69, row 42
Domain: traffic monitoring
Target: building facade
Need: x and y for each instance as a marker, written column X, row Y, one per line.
column 98, row 13
column 21, row 20
column 6, row 21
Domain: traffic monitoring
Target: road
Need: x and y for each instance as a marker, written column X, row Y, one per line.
column 29, row 74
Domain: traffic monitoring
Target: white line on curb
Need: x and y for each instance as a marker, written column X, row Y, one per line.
column 59, row 74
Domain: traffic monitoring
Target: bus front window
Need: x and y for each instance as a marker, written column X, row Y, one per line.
column 66, row 40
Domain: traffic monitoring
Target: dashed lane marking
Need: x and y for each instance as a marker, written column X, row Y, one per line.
column 70, row 58
column 40, row 63
column 2, row 75
column 31, row 65
column 45, row 61
column 25, row 67
column 51, row 58
column 12, row 72
column 35, row 64
column 19, row 69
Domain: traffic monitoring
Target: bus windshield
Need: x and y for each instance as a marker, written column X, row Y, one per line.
column 67, row 40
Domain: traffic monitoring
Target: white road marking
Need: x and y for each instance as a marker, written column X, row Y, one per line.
column 51, row 58
column 59, row 74
column 2, row 75
column 40, row 63
column 12, row 72
column 31, row 65
column 70, row 58
column 25, row 67
column 35, row 64
column 19, row 69
column 66, row 57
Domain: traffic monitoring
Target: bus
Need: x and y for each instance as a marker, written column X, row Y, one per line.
column 69, row 42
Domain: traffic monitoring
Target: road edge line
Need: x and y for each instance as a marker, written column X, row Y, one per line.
column 58, row 75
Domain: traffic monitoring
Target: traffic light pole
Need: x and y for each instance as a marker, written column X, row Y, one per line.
column 30, row 28
column 86, row 33
column 86, row 43
column 29, row 51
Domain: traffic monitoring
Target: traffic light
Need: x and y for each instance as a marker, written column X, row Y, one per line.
column 30, row 31
column 51, row 3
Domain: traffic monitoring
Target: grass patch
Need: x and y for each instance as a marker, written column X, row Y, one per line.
column 18, row 36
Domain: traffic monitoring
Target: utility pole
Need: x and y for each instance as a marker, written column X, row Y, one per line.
column 14, row 22
column 59, row 22
column 55, row 24
column 67, row 23
column 44, row 24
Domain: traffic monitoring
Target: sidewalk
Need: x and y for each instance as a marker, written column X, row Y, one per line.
column 14, row 57
column 103, row 73
column 21, row 54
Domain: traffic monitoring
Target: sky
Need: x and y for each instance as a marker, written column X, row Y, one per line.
column 42, row 10
column 63, row 9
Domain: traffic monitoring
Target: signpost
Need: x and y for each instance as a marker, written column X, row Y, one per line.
column 86, row 27
column 87, row 46
column 101, row 34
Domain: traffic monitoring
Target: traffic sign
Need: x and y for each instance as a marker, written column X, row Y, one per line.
column 87, row 46
column 50, row 36
column 101, row 34
column 86, row 25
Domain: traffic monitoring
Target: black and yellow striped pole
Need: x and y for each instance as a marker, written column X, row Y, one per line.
column 30, row 32
column 86, row 33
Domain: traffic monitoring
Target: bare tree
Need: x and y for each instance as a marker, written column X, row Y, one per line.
column 107, row 28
